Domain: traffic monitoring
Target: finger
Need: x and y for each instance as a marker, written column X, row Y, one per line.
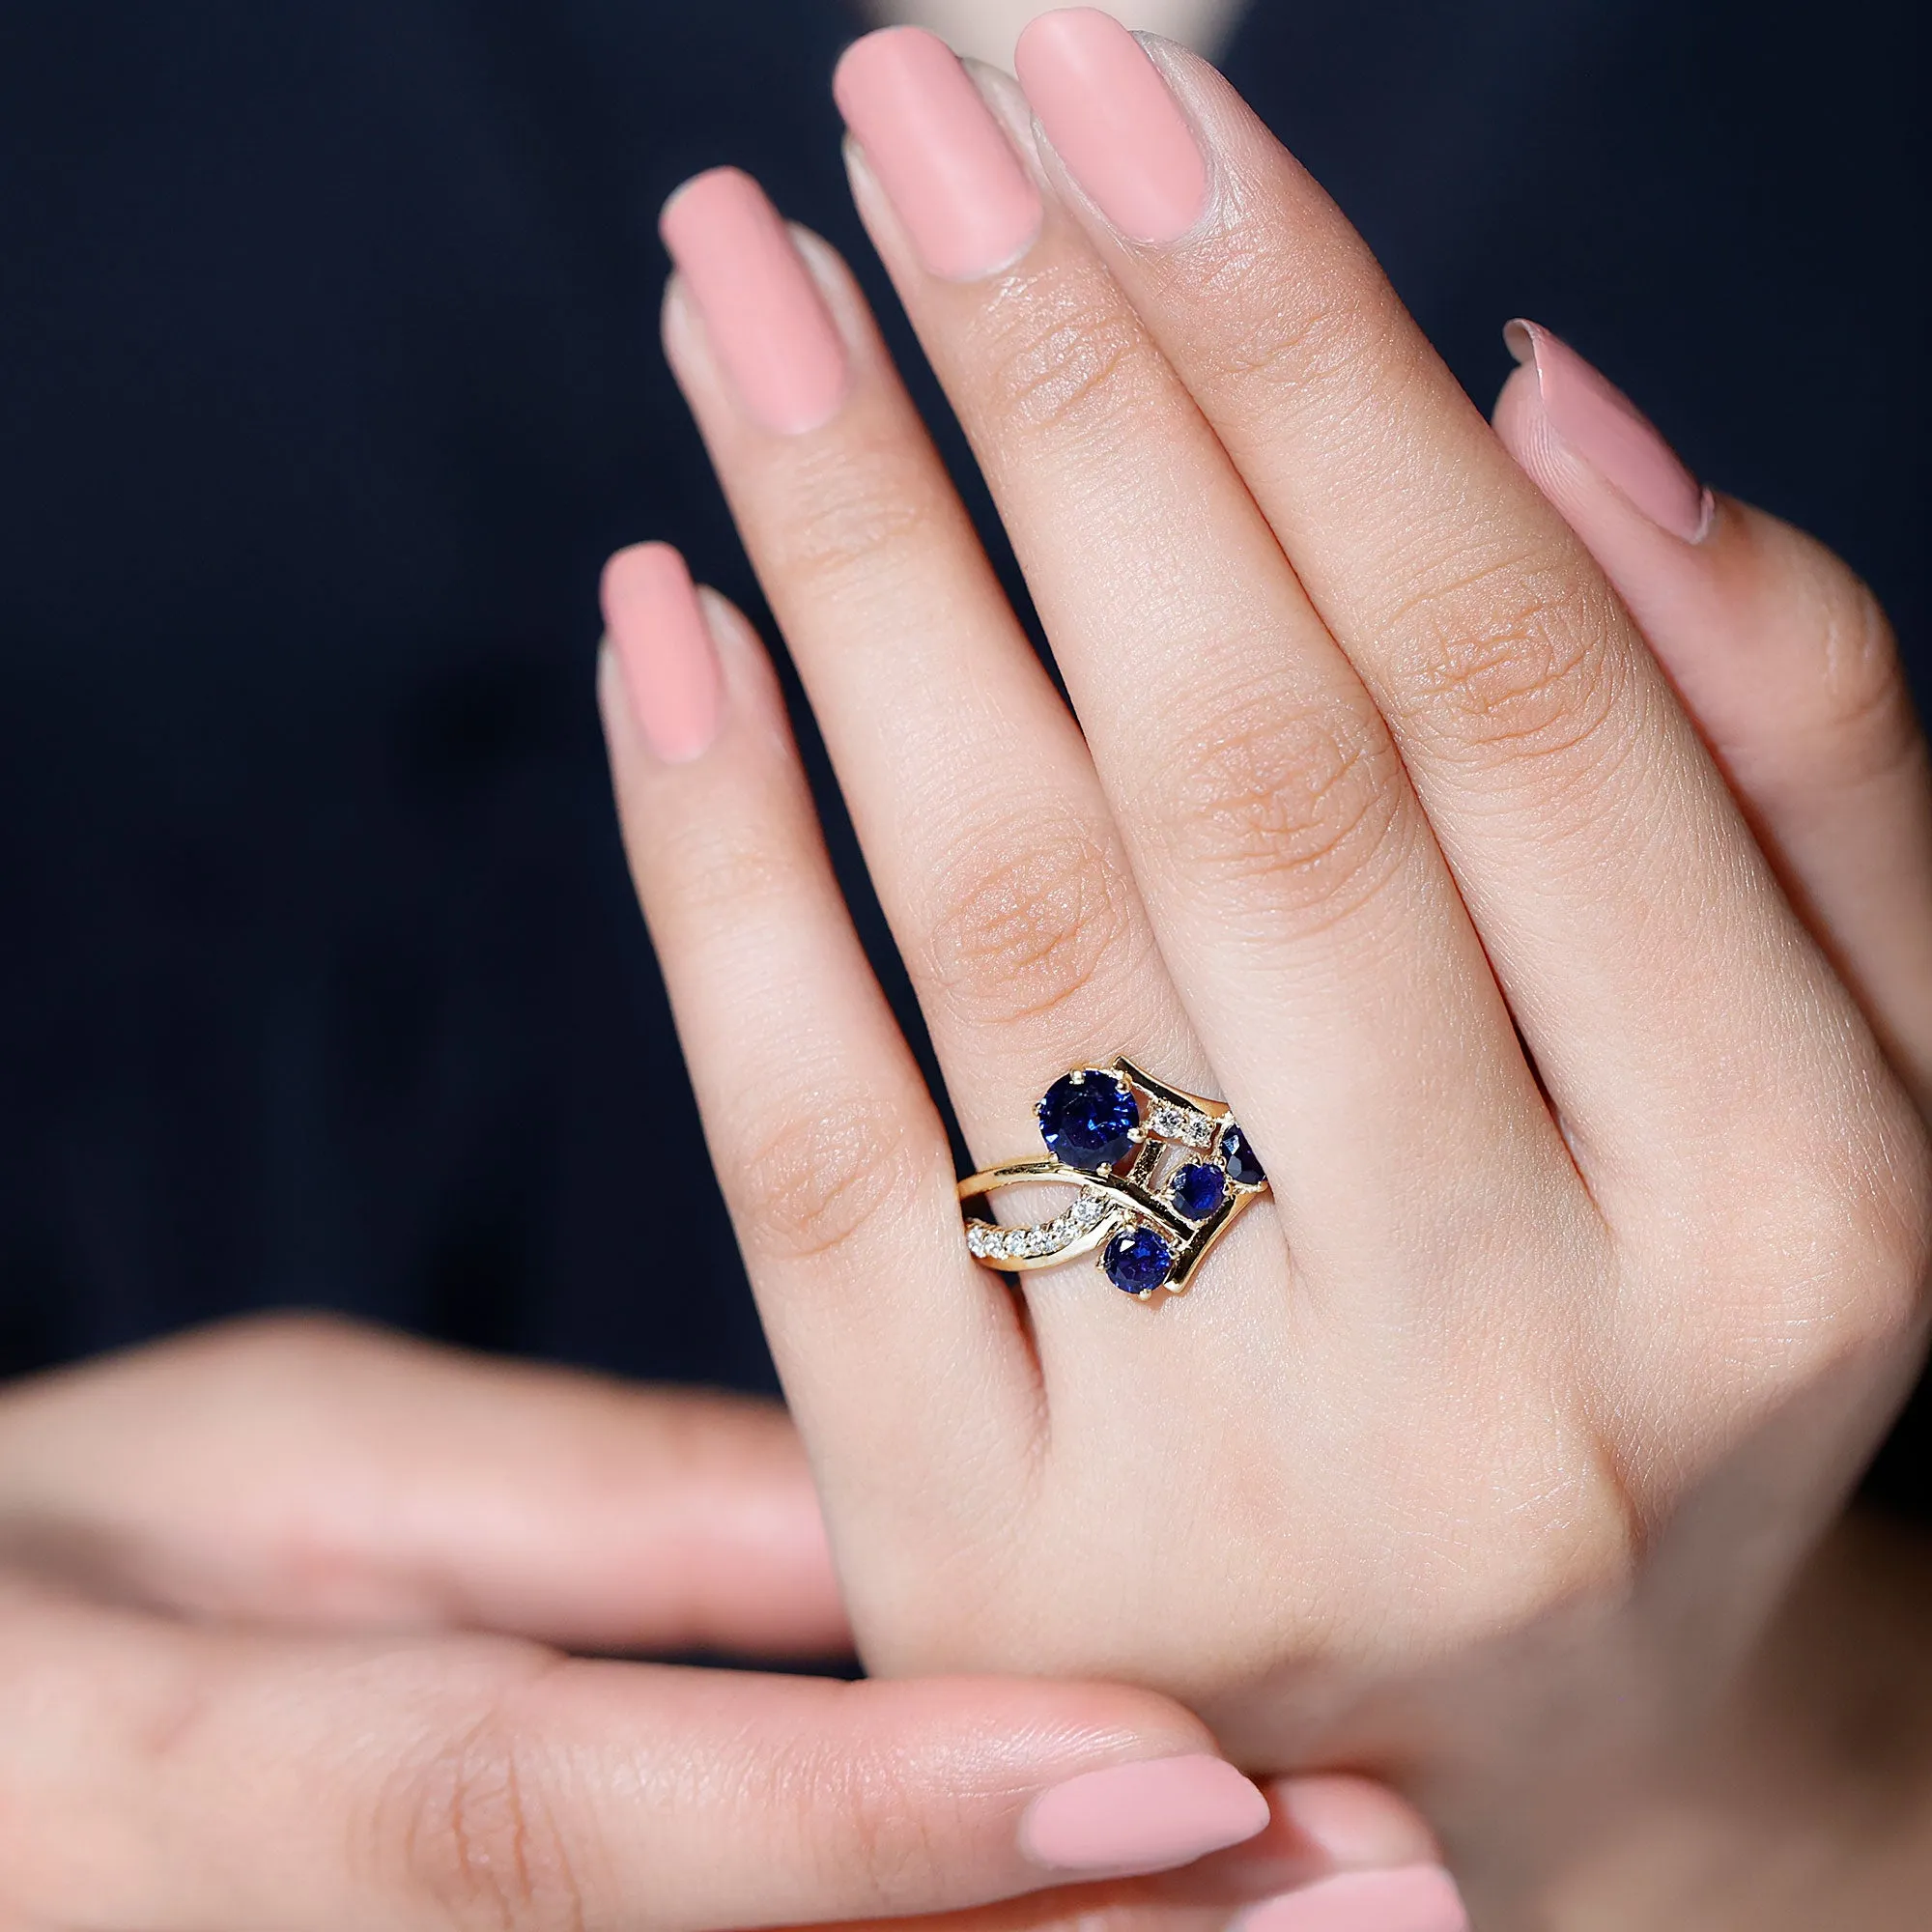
column 985, row 832
column 1329, row 1839
column 1784, row 659
column 895, row 1347
column 1641, row 941
column 185, row 1781
column 305, row 1470
column 1313, row 932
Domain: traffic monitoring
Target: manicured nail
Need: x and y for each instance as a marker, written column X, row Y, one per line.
column 1419, row 1898
column 1110, row 116
column 761, row 308
column 1354, row 1822
column 938, row 153
column 1611, row 434
column 1142, row 1817
column 664, row 651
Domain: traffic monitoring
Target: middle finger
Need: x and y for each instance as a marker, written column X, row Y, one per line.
column 1316, row 940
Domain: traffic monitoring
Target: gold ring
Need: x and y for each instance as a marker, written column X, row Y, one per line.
column 1162, row 1175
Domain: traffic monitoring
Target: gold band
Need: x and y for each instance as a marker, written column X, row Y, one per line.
column 1133, row 1197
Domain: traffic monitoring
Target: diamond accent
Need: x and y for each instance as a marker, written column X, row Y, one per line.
column 984, row 1242
column 1181, row 1125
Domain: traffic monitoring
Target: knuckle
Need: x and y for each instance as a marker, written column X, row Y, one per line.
column 1066, row 357
column 870, row 501
column 720, row 869
column 1846, row 1234
column 477, row 1841
column 1032, row 913
column 852, row 1807
column 1287, row 334
column 1513, row 663
column 1866, row 724
column 298, row 1347
column 1299, row 808
column 896, row 1846
column 1883, row 1229
column 815, row 1174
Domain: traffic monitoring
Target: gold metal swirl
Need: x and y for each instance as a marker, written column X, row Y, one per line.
column 1127, row 1195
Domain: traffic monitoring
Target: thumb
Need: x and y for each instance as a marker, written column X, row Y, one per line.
column 1783, row 657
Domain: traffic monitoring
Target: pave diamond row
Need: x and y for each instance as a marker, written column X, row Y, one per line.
column 1004, row 1244
column 1182, row 1125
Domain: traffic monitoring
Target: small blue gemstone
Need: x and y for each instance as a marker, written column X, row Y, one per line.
column 1137, row 1260
column 1239, row 1158
column 1087, row 1120
column 1198, row 1189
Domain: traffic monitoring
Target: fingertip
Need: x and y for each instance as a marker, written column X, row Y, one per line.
column 1516, row 416
column 1355, row 1822
column 1146, row 1815
column 1602, row 431
column 656, row 628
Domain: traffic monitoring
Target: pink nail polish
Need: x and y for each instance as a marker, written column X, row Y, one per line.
column 1109, row 114
column 663, row 650
column 1143, row 1817
column 1419, row 1898
column 766, row 318
column 1355, row 1822
column 1611, row 434
column 937, row 151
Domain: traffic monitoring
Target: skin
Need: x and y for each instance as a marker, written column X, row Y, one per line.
column 284, row 1608
column 1599, row 1243
column 188, row 1551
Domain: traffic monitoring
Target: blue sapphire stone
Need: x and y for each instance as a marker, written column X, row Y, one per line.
column 1239, row 1158
column 1137, row 1261
column 1087, row 1120
column 1198, row 1189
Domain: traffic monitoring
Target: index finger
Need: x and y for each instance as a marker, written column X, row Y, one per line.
column 189, row 1780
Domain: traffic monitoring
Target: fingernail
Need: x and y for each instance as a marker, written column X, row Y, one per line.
column 665, row 650
column 1110, row 117
column 1611, row 434
column 948, row 171
column 1419, row 1898
column 762, row 311
column 1142, row 1817
column 1355, row 1822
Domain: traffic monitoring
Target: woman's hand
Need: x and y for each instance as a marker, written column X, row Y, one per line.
column 1600, row 1219
column 244, row 1688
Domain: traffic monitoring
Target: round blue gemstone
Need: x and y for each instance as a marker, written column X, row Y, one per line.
column 1087, row 1120
column 1137, row 1261
column 1198, row 1189
column 1239, row 1158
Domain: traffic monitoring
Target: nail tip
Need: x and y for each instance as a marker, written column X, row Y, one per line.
column 1149, row 1815
column 1107, row 110
column 932, row 144
column 770, row 324
column 666, row 657
column 703, row 179
column 1413, row 1899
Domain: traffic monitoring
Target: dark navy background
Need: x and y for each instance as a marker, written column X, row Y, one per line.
column 328, row 377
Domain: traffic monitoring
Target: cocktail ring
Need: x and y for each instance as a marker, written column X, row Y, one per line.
column 1161, row 1175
